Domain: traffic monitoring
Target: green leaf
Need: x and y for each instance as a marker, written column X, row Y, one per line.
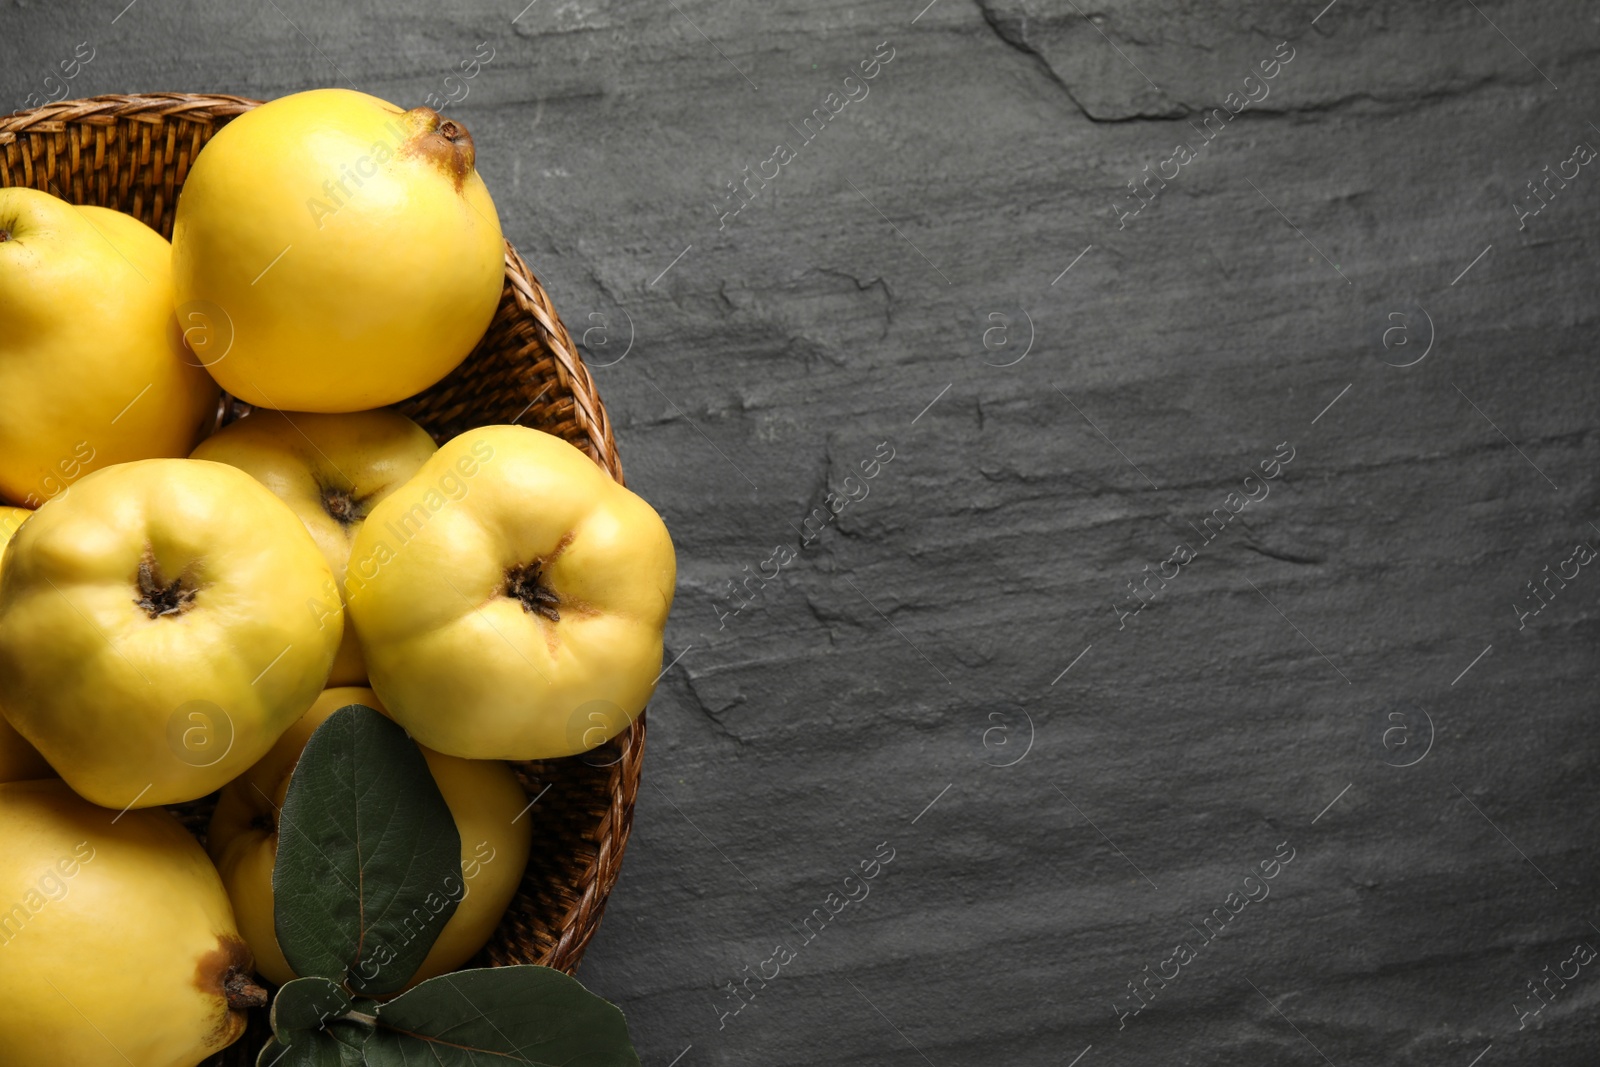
column 351, row 1035
column 501, row 1016
column 306, row 1004
column 327, row 1048
column 369, row 860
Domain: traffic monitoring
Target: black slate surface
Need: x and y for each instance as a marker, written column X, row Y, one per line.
column 948, row 272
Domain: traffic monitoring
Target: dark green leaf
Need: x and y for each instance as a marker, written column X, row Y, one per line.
column 312, row 1049
column 501, row 1016
column 369, row 861
column 350, row 1034
column 306, row 1004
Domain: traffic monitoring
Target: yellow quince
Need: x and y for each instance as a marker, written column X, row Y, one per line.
column 117, row 944
column 158, row 629
column 331, row 470
column 484, row 797
column 510, row 598
column 93, row 367
column 349, row 246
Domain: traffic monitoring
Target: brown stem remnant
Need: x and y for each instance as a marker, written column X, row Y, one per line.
column 523, row 584
column 444, row 142
column 342, row 505
column 158, row 597
column 241, row 990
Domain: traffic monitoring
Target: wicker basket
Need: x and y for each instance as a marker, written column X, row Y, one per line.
column 132, row 153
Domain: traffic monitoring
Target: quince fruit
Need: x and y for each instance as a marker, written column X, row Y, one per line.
column 159, row 631
column 510, row 598
column 331, row 470
column 483, row 796
column 117, row 943
column 350, row 244
column 19, row 761
column 93, row 368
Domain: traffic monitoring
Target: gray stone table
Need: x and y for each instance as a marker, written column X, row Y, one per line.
column 1333, row 317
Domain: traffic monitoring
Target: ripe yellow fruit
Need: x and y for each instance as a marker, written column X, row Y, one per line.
column 10, row 520
column 331, row 470
column 117, row 943
column 93, row 368
column 350, row 244
column 159, row 629
column 510, row 598
column 19, row 761
column 483, row 795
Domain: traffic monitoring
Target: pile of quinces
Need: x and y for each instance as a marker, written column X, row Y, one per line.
column 178, row 614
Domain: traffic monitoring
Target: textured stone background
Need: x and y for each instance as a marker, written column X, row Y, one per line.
column 885, row 287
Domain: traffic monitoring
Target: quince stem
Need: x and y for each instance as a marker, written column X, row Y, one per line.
column 242, row 991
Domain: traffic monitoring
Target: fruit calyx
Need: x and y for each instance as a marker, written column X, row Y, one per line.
column 242, row 991
column 343, row 505
column 523, row 584
column 159, row 598
column 445, row 142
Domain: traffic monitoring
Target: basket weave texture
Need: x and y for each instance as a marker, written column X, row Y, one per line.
column 132, row 153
